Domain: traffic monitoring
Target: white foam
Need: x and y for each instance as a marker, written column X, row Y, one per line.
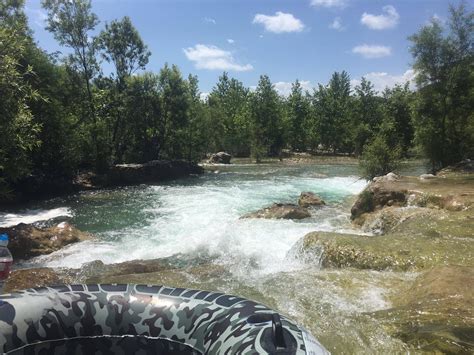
column 206, row 218
column 32, row 216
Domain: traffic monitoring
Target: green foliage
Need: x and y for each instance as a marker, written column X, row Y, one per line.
column 122, row 45
column 298, row 111
column 266, row 120
column 378, row 158
column 229, row 119
column 397, row 113
column 63, row 115
column 332, row 109
column 367, row 115
column 19, row 131
column 443, row 60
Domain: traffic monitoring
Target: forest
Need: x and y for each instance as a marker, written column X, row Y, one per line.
column 63, row 113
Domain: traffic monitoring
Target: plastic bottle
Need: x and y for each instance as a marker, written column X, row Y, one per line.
column 3, row 240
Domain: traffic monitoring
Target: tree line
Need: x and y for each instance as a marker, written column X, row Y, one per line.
column 62, row 113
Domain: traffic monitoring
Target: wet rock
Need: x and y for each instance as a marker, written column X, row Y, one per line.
column 27, row 241
column 153, row 171
column 386, row 178
column 394, row 251
column 427, row 176
column 156, row 271
column 308, row 199
column 435, row 314
column 280, row 211
column 39, row 277
column 220, row 158
column 378, row 195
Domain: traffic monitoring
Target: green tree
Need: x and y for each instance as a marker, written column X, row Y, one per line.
column 72, row 23
column 443, row 61
column 266, row 120
column 378, row 158
column 196, row 133
column 174, row 102
column 298, row 112
column 397, row 111
column 332, row 109
column 19, row 131
column 121, row 45
column 228, row 103
column 144, row 131
column 366, row 116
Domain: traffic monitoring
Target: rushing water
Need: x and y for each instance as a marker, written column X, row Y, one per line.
column 199, row 218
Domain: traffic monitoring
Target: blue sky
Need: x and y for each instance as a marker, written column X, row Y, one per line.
column 286, row 39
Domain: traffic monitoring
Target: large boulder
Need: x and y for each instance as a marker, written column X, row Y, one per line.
column 220, row 158
column 280, row 211
column 310, row 199
column 398, row 250
column 153, row 171
column 27, row 241
column 377, row 195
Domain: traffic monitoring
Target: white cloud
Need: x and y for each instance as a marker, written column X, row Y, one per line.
column 209, row 20
column 284, row 87
column 213, row 58
column 382, row 80
column 337, row 24
column 371, row 51
column 381, row 22
column 329, row 3
column 230, row 41
column 203, row 96
column 279, row 23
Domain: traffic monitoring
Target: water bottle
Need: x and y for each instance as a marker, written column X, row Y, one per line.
column 4, row 240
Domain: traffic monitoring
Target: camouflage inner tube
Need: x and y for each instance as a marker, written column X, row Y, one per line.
column 115, row 319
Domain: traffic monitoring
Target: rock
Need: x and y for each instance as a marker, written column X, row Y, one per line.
column 378, row 195
column 388, row 177
column 220, row 158
column 427, row 176
column 39, row 277
column 435, row 314
column 308, row 199
column 156, row 271
column 398, row 250
column 153, row 171
column 27, row 241
column 280, row 211
column 464, row 166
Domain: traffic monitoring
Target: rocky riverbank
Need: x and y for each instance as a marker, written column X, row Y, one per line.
column 44, row 187
column 421, row 224
column 27, row 241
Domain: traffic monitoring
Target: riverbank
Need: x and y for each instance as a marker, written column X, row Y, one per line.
column 423, row 225
column 46, row 187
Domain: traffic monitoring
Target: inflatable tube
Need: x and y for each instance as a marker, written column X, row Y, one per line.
column 133, row 319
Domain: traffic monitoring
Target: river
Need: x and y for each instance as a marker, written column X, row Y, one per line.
column 198, row 219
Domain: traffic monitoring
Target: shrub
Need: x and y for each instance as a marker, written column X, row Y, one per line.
column 378, row 158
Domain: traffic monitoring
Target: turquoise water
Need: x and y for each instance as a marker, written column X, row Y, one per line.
column 201, row 215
